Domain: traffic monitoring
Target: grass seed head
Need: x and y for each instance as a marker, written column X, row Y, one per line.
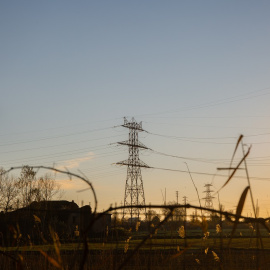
column 181, row 232
column 218, row 228
column 138, row 225
column 127, row 245
column 216, row 258
column 206, row 235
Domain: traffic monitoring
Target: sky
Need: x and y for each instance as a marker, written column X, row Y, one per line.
column 195, row 73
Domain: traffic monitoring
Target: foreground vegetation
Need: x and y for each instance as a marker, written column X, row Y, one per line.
column 161, row 250
column 154, row 254
column 225, row 240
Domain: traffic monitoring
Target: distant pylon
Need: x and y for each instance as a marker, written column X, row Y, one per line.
column 176, row 196
column 134, row 192
column 208, row 197
column 185, row 200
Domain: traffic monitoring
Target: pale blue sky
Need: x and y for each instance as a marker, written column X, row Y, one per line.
column 192, row 69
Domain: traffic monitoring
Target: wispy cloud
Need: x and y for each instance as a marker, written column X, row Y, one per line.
column 76, row 162
column 73, row 185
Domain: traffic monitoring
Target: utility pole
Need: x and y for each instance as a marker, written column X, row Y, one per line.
column 134, row 191
column 164, row 197
column 176, row 196
column 185, row 202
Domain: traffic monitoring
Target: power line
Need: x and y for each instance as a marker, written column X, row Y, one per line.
column 190, row 140
column 193, row 138
column 207, row 126
column 51, row 146
column 55, row 137
column 211, row 117
column 55, row 128
column 252, row 161
column 192, row 159
column 67, row 153
column 209, row 174
column 214, row 103
column 196, row 140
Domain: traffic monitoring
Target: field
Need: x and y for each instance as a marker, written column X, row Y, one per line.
column 163, row 250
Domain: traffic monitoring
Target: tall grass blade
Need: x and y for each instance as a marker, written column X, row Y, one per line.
column 179, row 253
column 239, row 210
column 241, row 202
column 145, row 238
column 50, row 259
column 56, row 244
column 235, row 169
column 237, row 144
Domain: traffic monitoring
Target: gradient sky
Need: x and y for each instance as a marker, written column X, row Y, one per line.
column 196, row 73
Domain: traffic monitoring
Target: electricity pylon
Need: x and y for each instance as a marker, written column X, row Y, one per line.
column 208, row 197
column 134, row 192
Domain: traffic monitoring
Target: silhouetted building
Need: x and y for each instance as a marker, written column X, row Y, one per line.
column 36, row 222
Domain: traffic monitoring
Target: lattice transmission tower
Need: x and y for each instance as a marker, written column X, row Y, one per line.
column 134, row 192
column 208, row 197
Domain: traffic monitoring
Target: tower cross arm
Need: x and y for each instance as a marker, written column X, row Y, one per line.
column 138, row 144
column 133, row 127
column 132, row 124
column 207, row 198
column 138, row 163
